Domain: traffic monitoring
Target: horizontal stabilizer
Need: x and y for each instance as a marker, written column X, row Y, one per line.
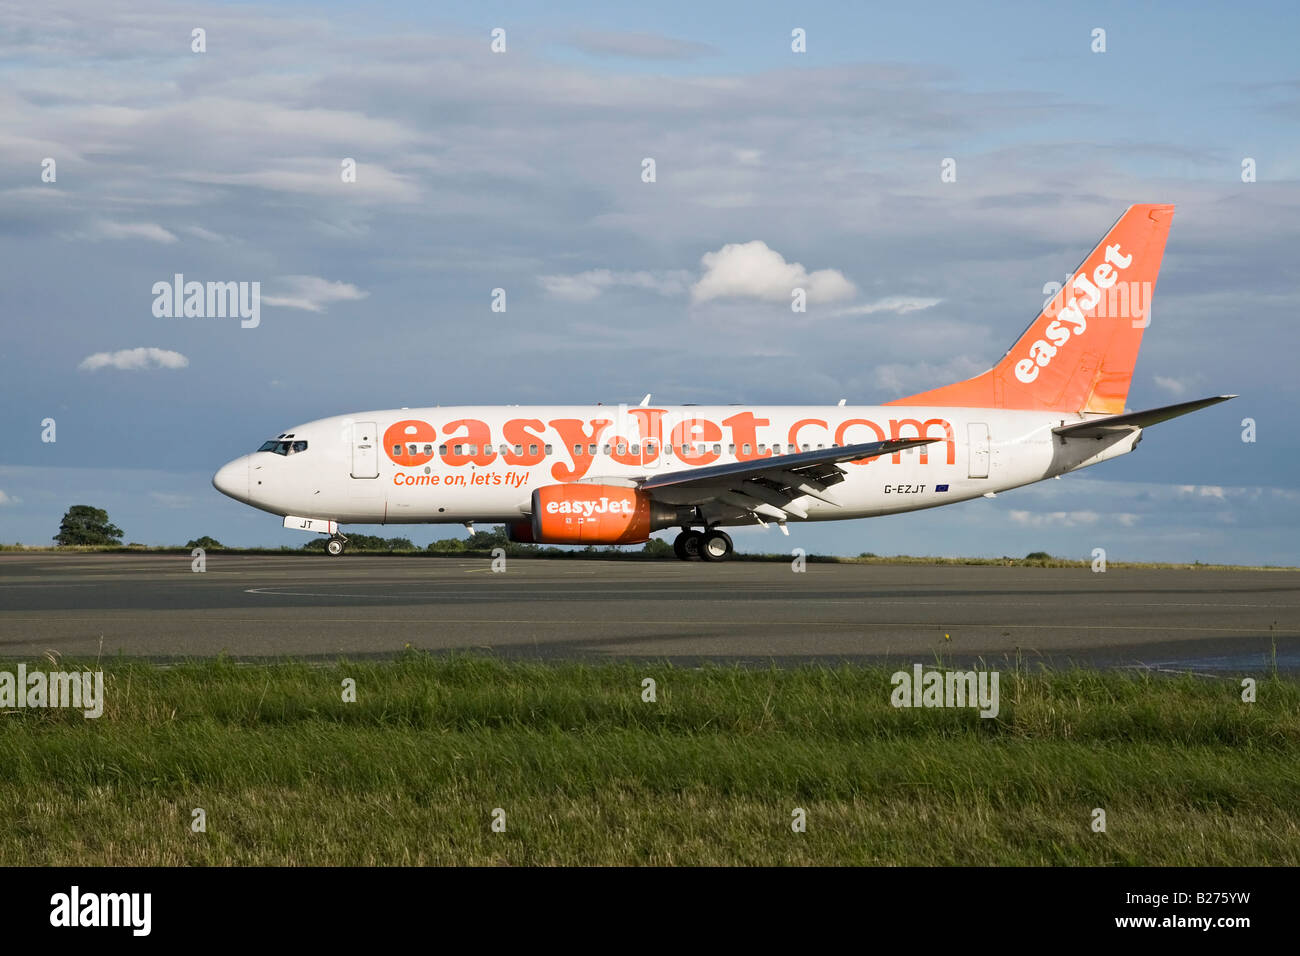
column 1112, row 424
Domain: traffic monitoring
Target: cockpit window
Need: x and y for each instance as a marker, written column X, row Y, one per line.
column 284, row 447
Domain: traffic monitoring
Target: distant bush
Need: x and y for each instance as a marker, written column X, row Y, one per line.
column 658, row 548
column 207, row 543
column 365, row 542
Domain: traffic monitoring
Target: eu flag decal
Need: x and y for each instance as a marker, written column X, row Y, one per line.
column 940, row 487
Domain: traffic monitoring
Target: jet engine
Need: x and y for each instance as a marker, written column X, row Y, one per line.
column 597, row 514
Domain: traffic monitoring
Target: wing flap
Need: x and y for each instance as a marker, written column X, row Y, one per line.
column 808, row 466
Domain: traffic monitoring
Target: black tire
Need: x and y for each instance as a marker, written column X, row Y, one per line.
column 687, row 545
column 716, row 546
column 334, row 547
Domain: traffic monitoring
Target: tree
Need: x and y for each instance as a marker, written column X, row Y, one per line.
column 447, row 545
column 658, row 548
column 206, row 542
column 487, row 540
column 86, row 525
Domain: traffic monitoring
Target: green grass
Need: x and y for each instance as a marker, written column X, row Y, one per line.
column 588, row 773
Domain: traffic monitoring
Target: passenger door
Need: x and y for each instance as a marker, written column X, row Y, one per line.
column 978, row 435
column 365, row 450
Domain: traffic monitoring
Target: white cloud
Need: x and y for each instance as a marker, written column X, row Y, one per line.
column 898, row 304
column 1209, row 491
column 107, row 229
column 312, row 176
column 585, row 286
column 1171, row 385
column 201, row 233
column 7, row 500
column 313, row 293
column 132, row 359
column 751, row 270
column 1057, row 519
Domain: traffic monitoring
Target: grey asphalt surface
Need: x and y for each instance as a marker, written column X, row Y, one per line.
column 249, row 606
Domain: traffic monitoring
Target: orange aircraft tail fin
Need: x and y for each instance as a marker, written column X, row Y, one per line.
column 1078, row 354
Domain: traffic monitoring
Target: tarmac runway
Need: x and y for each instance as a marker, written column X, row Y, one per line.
column 251, row 606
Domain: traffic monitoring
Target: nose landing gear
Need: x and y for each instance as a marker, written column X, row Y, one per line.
column 710, row 545
column 334, row 546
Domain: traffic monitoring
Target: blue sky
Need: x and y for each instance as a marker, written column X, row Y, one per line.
column 522, row 171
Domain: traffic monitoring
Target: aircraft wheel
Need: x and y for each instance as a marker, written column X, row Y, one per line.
column 334, row 546
column 687, row 545
column 716, row 546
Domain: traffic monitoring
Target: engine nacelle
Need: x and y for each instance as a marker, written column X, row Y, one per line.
column 597, row 514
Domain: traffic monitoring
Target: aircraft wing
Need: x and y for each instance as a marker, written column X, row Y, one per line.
column 1113, row 424
column 769, row 486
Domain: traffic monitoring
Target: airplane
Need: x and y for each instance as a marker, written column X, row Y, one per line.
column 606, row 475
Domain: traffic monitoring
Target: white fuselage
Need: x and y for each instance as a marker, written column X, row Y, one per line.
column 467, row 463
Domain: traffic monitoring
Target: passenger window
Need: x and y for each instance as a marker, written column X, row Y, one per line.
column 428, row 449
column 591, row 449
column 806, row 447
column 413, row 449
column 458, row 449
column 622, row 448
column 397, row 451
column 442, row 449
column 473, row 449
column 731, row 449
column 519, row 449
column 717, row 449
column 532, row 449
column 548, row 449
column 504, row 449
column 745, row 448
column 577, row 450
column 636, row 449
column 606, row 449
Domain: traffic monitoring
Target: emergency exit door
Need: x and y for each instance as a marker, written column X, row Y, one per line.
column 978, row 435
column 365, row 450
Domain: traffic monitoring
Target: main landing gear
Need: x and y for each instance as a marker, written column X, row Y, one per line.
column 709, row 545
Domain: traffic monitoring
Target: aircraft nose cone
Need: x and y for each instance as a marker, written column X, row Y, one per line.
column 232, row 479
